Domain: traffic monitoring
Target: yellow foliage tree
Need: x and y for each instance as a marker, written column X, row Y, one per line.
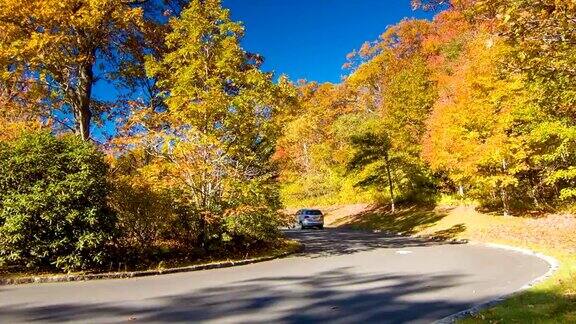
column 56, row 44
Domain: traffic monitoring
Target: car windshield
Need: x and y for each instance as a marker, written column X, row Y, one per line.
column 313, row 212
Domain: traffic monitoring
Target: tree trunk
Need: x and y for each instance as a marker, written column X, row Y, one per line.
column 306, row 158
column 203, row 223
column 390, row 184
column 84, row 95
column 505, row 207
column 461, row 190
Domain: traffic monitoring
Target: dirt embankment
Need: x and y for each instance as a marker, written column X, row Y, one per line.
column 556, row 231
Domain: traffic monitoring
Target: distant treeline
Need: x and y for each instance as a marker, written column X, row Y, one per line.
column 480, row 103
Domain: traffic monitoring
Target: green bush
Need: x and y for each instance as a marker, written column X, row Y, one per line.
column 53, row 211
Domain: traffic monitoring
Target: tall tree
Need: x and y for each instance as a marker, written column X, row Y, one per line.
column 373, row 150
column 65, row 46
column 542, row 37
column 217, row 133
column 395, row 83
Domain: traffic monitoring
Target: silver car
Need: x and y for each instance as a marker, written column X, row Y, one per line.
column 307, row 218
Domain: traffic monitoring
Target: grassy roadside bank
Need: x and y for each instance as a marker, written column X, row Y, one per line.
column 553, row 301
column 279, row 249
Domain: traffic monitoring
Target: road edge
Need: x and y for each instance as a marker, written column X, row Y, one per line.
column 144, row 273
column 553, row 267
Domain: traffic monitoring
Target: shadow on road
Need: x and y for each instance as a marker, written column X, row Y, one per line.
column 331, row 296
column 330, row 242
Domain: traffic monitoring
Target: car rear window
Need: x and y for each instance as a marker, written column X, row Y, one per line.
column 313, row 212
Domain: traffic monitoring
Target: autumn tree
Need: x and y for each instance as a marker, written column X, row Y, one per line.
column 64, row 47
column 313, row 148
column 501, row 118
column 479, row 100
column 20, row 107
column 540, row 37
column 449, row 144
column 216, row 136
column 393, row 82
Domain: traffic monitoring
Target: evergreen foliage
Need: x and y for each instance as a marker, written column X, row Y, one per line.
column 53, row 211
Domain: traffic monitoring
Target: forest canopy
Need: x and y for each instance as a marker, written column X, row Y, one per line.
column 478, row 102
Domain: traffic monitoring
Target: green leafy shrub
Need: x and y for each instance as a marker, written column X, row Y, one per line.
column 53, row 211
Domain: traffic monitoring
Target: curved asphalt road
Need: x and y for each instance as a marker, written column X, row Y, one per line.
column 343, row 277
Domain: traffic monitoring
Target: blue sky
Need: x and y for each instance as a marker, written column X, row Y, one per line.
column 309, row 39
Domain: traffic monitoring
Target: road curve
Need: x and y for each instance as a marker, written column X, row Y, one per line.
column 342, row 277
